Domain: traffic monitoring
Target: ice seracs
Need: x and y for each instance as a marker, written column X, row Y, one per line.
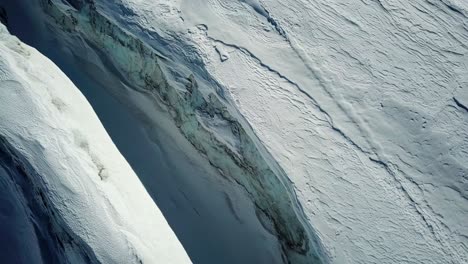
column 78, row 201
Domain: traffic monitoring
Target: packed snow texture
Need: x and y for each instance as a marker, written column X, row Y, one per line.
column 68, row 196
column 362, row 103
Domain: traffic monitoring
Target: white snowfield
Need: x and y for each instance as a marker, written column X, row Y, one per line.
column 364, row 104
column 93, row 197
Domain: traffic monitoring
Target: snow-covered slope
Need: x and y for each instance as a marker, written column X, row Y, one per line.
column 68, row 196
column 345, row 121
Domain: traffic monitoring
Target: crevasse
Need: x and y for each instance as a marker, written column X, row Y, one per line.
column 197, row 113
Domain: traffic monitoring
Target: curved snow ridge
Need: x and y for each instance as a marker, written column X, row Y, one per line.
column 199, row 113
column 79, row 188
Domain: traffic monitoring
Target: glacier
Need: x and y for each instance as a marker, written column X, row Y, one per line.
column 300, row 131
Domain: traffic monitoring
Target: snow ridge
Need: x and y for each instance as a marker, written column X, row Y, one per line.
column 87, row 204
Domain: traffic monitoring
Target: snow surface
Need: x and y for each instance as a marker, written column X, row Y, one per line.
column 362, row 103
column 92, row 194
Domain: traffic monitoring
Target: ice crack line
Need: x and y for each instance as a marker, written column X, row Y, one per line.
column 329, row 120
column 413, row 203
column 262, row 11
column 459, row 104
column 297, row 49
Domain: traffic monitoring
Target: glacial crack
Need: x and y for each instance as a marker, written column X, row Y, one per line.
column 413, row 203
column 460, row 104
column 329, row 120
